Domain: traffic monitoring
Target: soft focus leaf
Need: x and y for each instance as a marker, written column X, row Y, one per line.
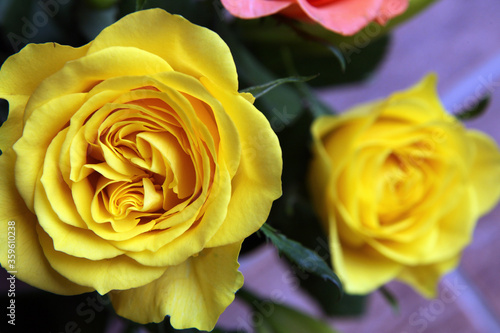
column 293, row 214
column 303, row 257
column 475, row 110
column 288, row 320
column 390, row 298
column 279, row 318
column 260, row 90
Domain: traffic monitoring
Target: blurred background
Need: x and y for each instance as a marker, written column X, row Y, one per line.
column 457, row 39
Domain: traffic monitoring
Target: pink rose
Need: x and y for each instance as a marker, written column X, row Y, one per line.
column 342, row 16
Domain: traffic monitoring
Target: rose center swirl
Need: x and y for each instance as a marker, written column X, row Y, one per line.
column 144, row 163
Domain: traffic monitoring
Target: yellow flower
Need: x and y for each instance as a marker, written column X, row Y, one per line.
column 399, row 184
column 133, row 166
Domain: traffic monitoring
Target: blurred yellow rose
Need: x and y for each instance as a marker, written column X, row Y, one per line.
column 399, row 184
column 132, row 166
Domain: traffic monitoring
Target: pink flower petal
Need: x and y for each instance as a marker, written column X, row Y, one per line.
column 249, row 9
column 390, row 9
column 343, row 16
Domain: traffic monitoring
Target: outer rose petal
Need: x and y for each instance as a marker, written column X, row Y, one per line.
column 257, row 183
column 352, row 266
column 31, row 264
column 390, row 9
column 345, row 17
column 196, row 291
column 102, row 275
column 255, row 8
column 425, row 278
column 184, row 57
column 22, row 73
column 485, row 168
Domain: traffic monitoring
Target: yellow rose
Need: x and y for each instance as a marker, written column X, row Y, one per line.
column 133, row 166
column 399, row 184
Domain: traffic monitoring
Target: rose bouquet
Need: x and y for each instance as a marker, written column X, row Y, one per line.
column 140, row 164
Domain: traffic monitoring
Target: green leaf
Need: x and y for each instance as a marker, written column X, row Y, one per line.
column 260, row 90
column 390, row 298
column 476, row 110
column 338, row 54
column 303, row 257
column 293, row 212
column 271, row 317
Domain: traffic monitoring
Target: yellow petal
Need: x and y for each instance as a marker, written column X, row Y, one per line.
column 224, row 130
column 30, row 263
column 196, row 238
column 425, row 278
column 82, row 74
column 418, row 104
column 72, row 237
column 38, row 132
column 257, row 182
column 193, row 294
column 485, row 171
column 24, row 71
column 194, row 50
column 102, row 275
column 353, row 264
